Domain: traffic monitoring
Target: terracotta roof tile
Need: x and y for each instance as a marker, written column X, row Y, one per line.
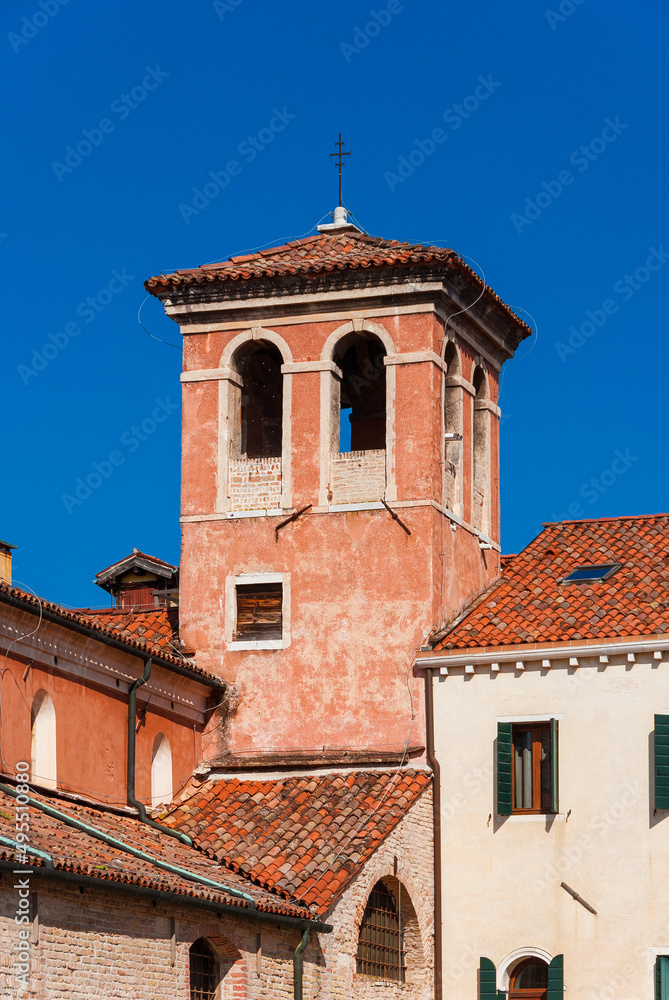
column 157, row 626
column 321, row 254
column 529, row 603
column 287, row 853
column 146, row 635
column 73, row 850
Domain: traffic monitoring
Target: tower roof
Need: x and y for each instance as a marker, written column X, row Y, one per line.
column 327, row 252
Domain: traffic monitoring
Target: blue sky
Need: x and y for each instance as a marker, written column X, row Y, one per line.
column 157, row 98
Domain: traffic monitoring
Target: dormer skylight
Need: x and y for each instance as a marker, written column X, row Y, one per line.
column 592, row 574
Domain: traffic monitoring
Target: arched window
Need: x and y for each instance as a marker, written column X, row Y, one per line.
column 43, row 748
column 204, row 971
column 161, row 771
column 362, row 393
column 258, row 433
column 529, row 980
column 453, row 391
column 481, row 453
column 381, row 940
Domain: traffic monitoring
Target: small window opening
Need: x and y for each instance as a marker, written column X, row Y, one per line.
column 259, row 611
column 380, row 944
column 529, row 981
column 362, row 394
column 532, row 768
column 588, row 574
column 204, row 971
column 261, row 401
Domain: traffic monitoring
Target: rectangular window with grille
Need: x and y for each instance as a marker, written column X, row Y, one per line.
column 259, row 611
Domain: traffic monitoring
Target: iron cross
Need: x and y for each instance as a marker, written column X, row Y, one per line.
column 340, row 164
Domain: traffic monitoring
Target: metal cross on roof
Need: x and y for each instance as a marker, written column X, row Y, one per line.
column 340, row 164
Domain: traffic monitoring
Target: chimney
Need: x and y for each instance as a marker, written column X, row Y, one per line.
column 6, row 562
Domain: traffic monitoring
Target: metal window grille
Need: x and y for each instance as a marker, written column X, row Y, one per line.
column 380, row 945
column 203, row 971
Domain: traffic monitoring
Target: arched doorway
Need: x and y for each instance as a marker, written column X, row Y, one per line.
column 529, row 980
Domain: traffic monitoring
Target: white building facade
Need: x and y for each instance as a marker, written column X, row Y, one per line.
column 553, row 785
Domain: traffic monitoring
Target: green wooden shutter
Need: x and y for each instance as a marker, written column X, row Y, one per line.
column 661, row 767
column 556, row 979
column 555, row 801
column 662, row 977
column 504, row 764
column 487, row 980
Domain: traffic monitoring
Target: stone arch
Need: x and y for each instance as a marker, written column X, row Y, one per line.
column 481, row 459
column 357, row 326
column 453, row 426
column 233, row 970
column 161, row 771
column 415, row 959
column 507, row 966
column 368, row 474
column 43, row 770
column 254, row 432
column 452, row 358
column 255, row 333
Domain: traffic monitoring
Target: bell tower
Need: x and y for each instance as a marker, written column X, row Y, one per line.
column 340, row 464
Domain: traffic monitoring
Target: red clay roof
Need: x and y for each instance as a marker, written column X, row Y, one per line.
column 157, row 626
column 75, row 851
column 528, row 603
column 320, row 254
column 303, row 836
column 96, row 620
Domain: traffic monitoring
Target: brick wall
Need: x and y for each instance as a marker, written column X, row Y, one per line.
column 101, row 944
column 255, row 483
column 411, row 843
column 358, row 476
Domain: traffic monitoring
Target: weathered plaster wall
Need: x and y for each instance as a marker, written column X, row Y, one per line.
column 92, row 719
column 362, row 591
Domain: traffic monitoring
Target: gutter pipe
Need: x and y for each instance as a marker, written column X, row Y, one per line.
column 436, row 821
column 122, row 846
column 174, row 898
column 298, row 958
column 21, row 849
column 130, row 773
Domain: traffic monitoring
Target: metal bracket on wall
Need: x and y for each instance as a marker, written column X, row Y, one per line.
column 395, row 517
column 293, row 517
column 579, row 899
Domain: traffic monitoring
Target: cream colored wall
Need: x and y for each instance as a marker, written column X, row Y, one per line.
column 502, row 875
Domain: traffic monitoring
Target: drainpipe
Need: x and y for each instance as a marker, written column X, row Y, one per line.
column 298, row 965
column 132, row 736
column 436, row 821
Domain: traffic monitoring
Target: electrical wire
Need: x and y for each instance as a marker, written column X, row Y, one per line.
column 219, row 260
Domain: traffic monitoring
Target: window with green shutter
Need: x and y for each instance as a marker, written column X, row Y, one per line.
column 487, row 980
column 662, row 977
column 527, row 767
column 661, row 762
column 556, row 979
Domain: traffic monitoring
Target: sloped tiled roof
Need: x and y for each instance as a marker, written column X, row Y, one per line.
column 96, row 622
column 303, row 836
column 136, row 554
column 528, row 603
column 321, row 254
column 157, row 626
column 78, row 852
